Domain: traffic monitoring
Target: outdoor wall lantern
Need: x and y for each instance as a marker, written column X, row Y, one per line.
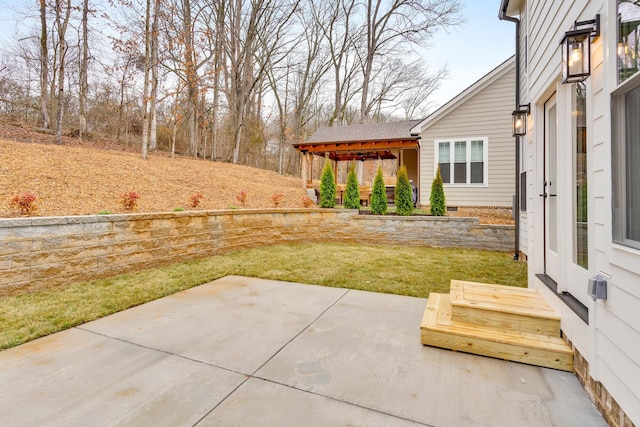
column 576, row 50
column 520, row 120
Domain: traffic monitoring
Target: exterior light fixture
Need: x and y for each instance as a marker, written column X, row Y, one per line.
column 576, row 50
column 520, row 120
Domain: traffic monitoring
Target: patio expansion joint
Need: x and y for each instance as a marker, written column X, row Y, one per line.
column 252, row 375
column 345, row 402
column 202, row 362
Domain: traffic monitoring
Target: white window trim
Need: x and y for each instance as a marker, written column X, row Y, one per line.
column 485, row 159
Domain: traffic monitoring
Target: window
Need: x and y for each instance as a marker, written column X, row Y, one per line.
column 625, row 141
column 462, row 161
column 580, row 227
column 460, row 164
column 444, row 159
column 628, row 37
column 523, row 174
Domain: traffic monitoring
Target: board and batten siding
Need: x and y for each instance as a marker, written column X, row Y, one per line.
column 485, row 114
column 610, row 342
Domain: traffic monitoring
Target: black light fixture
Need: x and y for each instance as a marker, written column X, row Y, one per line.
column 520, row 120
column 576, row 50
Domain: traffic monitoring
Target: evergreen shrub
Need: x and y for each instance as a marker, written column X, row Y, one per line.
column 379, row 195
column 327, row 187
column 404, row 193
column 437, row 199
column 352, row 195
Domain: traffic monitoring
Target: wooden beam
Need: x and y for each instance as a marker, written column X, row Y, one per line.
column 358, row 146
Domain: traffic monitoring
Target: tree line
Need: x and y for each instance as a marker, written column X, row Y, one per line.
column 230, row 80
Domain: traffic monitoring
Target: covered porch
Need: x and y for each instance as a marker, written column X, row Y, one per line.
column 390, row 145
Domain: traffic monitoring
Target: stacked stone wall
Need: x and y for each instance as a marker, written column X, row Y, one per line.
column 38, row 253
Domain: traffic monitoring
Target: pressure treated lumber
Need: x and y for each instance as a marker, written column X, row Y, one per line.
column 512, row 324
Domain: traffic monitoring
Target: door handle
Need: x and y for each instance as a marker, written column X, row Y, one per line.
column 544, row 195
column 553, row 195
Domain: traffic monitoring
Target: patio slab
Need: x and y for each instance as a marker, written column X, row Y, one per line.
column 244, row 351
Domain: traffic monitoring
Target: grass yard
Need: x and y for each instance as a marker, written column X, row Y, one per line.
column 412, row 271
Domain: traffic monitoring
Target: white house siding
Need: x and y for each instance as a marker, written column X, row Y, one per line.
column 525, row 151
column 486, row 114
column 611, row 340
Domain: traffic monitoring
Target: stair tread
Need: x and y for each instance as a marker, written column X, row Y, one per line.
column 437, row 317
column 504, row 299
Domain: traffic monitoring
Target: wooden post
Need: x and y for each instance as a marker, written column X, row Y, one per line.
column 304, row 174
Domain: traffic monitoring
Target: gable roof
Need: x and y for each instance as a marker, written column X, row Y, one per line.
column 361, row 142
column 392, row 131
column 466, row 94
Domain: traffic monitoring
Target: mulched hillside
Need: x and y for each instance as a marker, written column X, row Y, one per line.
column 82, row 179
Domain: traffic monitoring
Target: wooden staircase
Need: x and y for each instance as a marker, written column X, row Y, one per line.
column 497, row 321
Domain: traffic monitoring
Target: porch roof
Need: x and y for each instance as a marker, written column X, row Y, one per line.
column 362, row 142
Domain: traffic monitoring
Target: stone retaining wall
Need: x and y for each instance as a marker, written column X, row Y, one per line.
column 37, row 253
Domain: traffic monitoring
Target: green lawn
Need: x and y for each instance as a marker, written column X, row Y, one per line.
column 410, row 271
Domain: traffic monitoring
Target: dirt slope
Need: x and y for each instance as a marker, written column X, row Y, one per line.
column 81, row 180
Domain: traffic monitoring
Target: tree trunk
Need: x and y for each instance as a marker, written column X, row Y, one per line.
column 153, row 133
column 145, row 89
column 44, row 66
column 61, row 24
column 84, row 65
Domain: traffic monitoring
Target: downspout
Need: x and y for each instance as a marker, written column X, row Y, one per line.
column 516, row 205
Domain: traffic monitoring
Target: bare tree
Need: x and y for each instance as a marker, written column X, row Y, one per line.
column 44, row 66
column 62, row 12
column 145, row 88
column 84, row 65
column 254, row 40
column 387, row 24
column 335, row 19
column 155, row 61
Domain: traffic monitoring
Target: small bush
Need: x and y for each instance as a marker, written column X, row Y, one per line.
column 327, row 187
column 129, row 200
column 25, row 203
column 403, row 194
column 104, row 212
column 276, row 200
column 178, row 209
column 196, row 199
column 379, row 195
column 242, row 198
column 307, row 202
column 352, row 194
column 437, row 199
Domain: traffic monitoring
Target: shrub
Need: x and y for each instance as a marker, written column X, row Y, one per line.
column 242, row 198
column 129, row 200
column 25, row 203
column 307, row 202
column 379, row 195
column 178, row 209
column 196, row 199
column 327, row 187
column 437, row 199
column 104, row 212
column 352, row 195
column 276, row 199
column 403, row 193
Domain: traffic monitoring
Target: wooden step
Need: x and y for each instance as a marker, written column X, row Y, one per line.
column 437, row 329
column 503, row 307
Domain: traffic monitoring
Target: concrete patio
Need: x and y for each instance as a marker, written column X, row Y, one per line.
column 244, row 352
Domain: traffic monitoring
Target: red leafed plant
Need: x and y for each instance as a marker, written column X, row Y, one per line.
column 196, row 199
column 129, row 200
column 25, row 203
column 276, row 199
column 242, row 198
column 307, row 202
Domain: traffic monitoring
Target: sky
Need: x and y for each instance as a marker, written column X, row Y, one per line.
column 472, row 50
column 469, row 51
